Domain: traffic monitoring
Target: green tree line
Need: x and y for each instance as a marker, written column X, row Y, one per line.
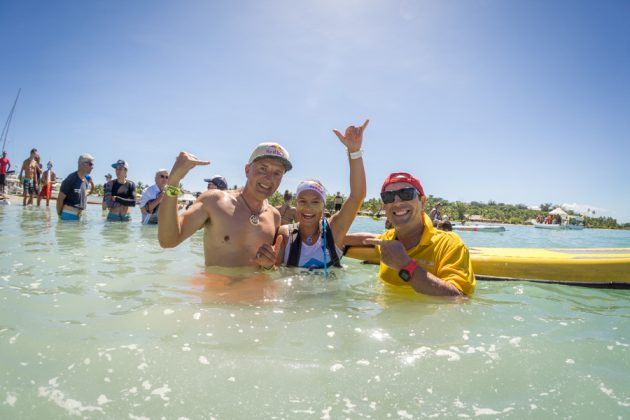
column 458, row 210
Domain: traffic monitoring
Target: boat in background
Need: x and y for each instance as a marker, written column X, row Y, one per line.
column 559, row 219
column 555, row 226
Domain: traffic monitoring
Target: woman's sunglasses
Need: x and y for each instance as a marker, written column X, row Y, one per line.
column 405, row 194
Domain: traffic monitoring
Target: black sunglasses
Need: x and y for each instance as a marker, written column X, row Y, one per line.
column 164, row 176
column 405, row 194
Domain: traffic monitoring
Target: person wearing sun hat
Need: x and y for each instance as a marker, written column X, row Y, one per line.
column 120, row 194
column 413, row 253
column 239, row 227
column 314, row 241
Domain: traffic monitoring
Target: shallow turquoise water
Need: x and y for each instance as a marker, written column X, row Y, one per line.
column 97, row 321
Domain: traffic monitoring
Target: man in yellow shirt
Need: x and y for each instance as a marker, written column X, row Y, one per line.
column 415, row 254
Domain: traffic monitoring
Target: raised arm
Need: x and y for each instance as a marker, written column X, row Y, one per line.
column 174, row 228
column 341, row 221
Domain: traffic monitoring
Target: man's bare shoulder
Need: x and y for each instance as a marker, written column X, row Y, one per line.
column 214, row 198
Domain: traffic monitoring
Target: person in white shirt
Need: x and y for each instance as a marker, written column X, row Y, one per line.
column 152, row 197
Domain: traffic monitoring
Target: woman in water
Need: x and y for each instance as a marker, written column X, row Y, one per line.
column 315, row 242
column 120, row 194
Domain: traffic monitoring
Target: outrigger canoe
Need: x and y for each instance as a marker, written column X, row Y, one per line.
column 594, row 267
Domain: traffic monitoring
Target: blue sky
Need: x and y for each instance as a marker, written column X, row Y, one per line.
column 512, row 101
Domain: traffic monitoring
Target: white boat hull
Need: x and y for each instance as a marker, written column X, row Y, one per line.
column 558, row 227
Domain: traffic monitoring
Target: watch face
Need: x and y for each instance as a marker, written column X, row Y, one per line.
column 404, row 274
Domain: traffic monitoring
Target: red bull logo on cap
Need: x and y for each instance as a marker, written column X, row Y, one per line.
column 274, row 150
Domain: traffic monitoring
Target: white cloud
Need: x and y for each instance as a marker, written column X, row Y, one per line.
column 584, row 208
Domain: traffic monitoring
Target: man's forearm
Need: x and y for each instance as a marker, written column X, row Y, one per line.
column 429, row 284
column 168, row 226
column 60, row 199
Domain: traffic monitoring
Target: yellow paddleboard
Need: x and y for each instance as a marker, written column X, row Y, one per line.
column 602, row 267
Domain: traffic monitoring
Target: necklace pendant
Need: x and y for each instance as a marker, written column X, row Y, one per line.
column 253, row 219
column 309, row 240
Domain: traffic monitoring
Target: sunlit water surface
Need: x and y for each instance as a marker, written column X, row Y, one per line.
column 96, row 320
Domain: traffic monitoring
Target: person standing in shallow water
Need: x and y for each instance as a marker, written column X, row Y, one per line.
column 217, row 182
column 239, row 227
column 72, row 199
column 120, row 194
column 49, row 179
column 30, row 169
column 413, row 253
column 314, row 242
column 5, row 165
column 287, row 211
column 152, row 197
column 337, row 202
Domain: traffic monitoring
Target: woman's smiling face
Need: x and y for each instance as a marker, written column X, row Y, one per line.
column 310, row 207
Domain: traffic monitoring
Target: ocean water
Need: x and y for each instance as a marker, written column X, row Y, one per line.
column 97, row 321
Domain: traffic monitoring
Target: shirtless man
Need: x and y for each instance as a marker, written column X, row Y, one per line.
column 288, row 213
column 30, row 169
column 239, row 228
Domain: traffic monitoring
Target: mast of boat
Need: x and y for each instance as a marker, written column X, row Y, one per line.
column 7, row 124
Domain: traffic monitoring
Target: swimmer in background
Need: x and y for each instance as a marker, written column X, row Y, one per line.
column 287, row 211
column 120, row 194
column 337, row 202
column 436, row 213
column 217, row 182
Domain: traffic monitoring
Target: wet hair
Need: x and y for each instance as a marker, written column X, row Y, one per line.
column 33, row 150
column 287, row 195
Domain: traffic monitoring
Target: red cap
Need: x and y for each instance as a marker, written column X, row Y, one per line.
column 403, row 177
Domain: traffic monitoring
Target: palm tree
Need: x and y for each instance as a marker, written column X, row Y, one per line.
column 140, row 187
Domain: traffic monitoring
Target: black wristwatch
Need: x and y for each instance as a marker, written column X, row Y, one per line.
column 406, row 273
